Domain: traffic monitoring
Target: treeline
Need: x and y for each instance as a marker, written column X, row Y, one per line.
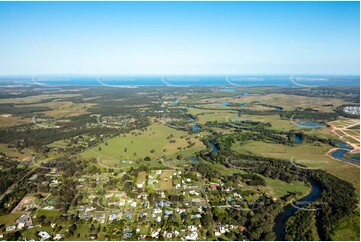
column 245, row 124
column 26, row 112
column 10, row 176
column 38, row 138
column 308, row 115
column 18, row 191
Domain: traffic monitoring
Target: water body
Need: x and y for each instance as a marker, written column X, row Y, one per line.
column 298, row 139
column 225, row 104
column 204, row 80
column 344, row 149
column 196, row 127
column 279, row 108
column 340, row 155
column 228, row 90
column 194, row 159
column 50, row 88
column 182, row 110
column 289, row 211
column 244, row 105
column 192, row 118
column 214, row 147
column 343, row 145
column 310, row 124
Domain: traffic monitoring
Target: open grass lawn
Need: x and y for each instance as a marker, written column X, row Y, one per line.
column 141, row 176
column 275, row 120
column 59, row 143
column 210, row 115
column 165, row 180
column 222, row 169
column 310, row 155
column 348, row 229
column 30, row 234
column 280, row 188
column 152, row 143
column 49, row 213
column 10, row 218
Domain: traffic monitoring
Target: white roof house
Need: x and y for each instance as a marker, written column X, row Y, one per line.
column 192, row 236
column 58, row 237
column 155, row 233
column 44, row 235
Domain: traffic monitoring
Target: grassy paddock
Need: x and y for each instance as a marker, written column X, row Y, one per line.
column 348, row 229
column 152, row 143
column 280, row 188
column 10, row 218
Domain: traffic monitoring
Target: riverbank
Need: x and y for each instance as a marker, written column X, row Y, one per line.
column 329, row 154
column 289, row 210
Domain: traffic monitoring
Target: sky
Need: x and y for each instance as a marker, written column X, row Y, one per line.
column 179, row 38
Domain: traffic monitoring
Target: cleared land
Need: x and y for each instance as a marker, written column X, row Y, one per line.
column 154, row 142
column 278, row 188
column 8, row 120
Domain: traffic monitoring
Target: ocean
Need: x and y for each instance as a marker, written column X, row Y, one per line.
column 180, row 81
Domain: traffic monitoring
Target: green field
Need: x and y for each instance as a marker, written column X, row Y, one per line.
column 150, row 143
column 280, row 188
column 348, row 229
column 49, row 213
column 10, row 218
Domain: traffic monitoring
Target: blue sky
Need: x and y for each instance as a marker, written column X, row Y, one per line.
column 179, row 38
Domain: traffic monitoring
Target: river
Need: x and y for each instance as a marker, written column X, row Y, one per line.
column 213, row 146
column 289, row 211
column 342, row 151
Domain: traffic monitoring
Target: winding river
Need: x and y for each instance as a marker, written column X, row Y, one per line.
column 289, row 210
column 340, row 153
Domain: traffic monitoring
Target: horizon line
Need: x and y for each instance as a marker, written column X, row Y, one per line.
column 177, row 74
